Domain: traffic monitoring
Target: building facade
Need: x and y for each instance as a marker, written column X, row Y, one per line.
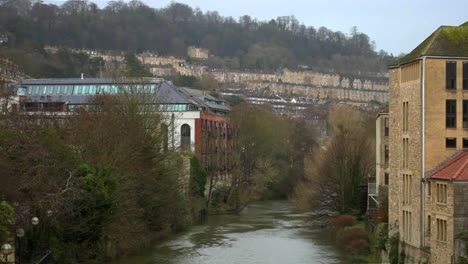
column 381, row 178
column 188, row 114
column 428, row 107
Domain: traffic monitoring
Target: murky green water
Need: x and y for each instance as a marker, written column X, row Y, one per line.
column 265, row 233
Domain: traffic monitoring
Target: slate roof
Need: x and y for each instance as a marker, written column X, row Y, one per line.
column 446, row 41
column 204, row 99
column 454, row 169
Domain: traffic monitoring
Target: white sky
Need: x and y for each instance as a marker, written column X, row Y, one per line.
column 395, row 25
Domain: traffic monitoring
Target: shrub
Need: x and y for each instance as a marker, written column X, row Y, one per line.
column 6, row 220
column 352, row 234
column 382, row 237
column 343, row 221
column 357, row 247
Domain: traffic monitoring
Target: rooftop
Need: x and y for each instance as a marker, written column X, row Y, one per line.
column 446, row 41
column 73, row 81
column 454, row 169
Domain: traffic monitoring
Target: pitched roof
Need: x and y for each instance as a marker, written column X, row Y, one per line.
column 454, row 169
column 446, row 41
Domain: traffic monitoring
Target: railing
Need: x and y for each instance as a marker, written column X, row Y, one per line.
column 45, row 259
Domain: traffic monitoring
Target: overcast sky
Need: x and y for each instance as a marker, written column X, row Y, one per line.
column 395, row 25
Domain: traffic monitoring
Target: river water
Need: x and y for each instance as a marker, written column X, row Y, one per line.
column 264, row 233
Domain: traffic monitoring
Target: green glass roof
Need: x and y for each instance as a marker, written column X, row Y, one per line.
column 446, row 41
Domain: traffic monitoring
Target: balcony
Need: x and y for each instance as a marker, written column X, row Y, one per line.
column 372, row 189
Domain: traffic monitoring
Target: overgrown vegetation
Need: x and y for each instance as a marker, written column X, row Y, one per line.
column 333, row 177
column 6, row 219
column 110, row 185
column 270, row 153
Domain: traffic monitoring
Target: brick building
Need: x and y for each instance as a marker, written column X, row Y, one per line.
column 428, row 123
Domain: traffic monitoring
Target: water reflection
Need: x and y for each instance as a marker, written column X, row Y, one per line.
column 265, row 233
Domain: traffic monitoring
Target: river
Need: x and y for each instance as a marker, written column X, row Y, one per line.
column 264, row 233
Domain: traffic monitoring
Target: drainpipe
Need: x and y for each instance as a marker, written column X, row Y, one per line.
column 423, row 128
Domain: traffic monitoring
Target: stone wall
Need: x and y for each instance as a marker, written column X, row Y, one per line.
column 460, row 217
column 441, row 252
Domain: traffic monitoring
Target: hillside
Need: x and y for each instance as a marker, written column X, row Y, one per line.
column 243, row 44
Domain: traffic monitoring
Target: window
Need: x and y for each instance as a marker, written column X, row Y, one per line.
column 441, row 230
column 441, row 193
column 429, row 188
column 165, row 136
column 465, row 75
column 451, row 113
column 386, row 154
column 386, row 178
column 405, row 153
column 407, row 188
column 465, row 142
column 407, row 225
column 451, row 75
column 451, row 142
column 386, row 127
column 185, row 136
column 428, row 225
column 465, row 113
column 405, row 116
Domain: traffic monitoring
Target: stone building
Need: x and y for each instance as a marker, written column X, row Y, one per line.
column 381, row 160
column 198, row 53
column 428, row 121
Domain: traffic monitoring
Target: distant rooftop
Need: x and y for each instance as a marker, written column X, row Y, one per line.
column 454, row 169
column 446, row 41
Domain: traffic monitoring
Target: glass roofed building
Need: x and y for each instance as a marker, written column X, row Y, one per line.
column 195, row 121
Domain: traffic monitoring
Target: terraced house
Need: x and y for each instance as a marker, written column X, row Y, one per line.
column 428, row 144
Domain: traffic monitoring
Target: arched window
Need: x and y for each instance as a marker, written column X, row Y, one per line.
column 165, row 136
column 185, row 137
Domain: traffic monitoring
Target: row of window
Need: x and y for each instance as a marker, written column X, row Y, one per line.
column 143, row 108
column 407, row 188
column 441, row 192
column 451, row 143
column 451, row 113
column 441, row 228
column 451, row 75
column 407, row 225
column 88, row 89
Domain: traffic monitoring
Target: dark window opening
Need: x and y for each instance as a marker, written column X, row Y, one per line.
column 465, row 143
column 465, row 113
column 165, row 136
column 386, row 178
column 451, row 74
column 451, row 114
column 386, row 127
column 451, row 143
column 386, row 154
column 185, row 136
column 465, row 75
